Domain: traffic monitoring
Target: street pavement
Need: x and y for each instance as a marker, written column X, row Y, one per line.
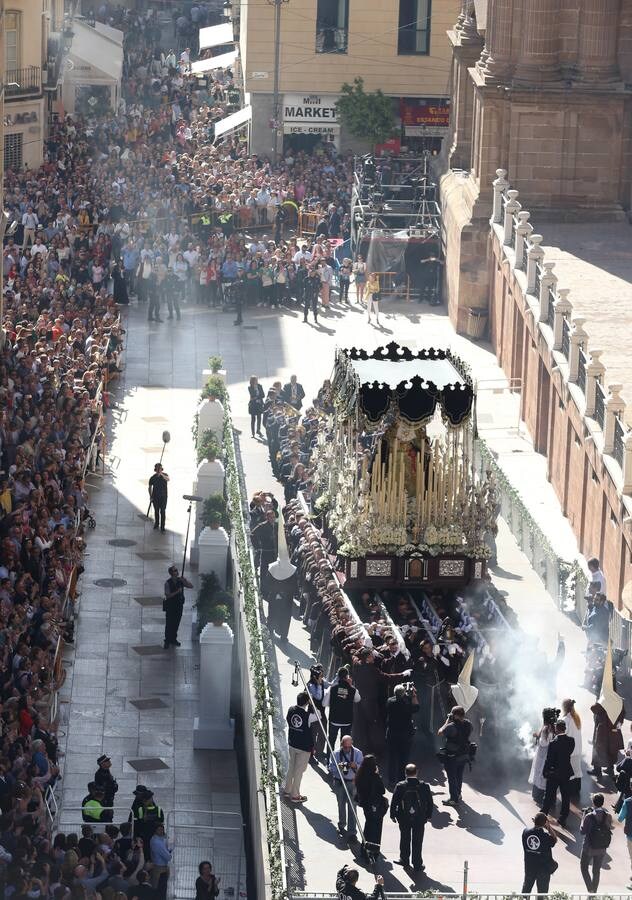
column 159, row 390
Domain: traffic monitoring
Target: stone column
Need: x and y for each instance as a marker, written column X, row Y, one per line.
column 614, row 407
column 211, row 415
column 213, row 553
column 595, row 371
column 538, row 61
column 579, row 339
column 627, row 465
column 214, row 729
column 597, row 52
column 548, row 280
column 535, row 255
column 563, row 309
column 496, row 63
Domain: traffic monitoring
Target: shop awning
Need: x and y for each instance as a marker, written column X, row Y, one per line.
column 215, row 62
column 95, row 57
column 235, row 120
column 216, row 35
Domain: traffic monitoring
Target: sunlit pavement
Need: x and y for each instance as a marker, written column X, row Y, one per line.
column 159, row 390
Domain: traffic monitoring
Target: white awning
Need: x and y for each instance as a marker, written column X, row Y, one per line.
column 235, row 120
column 215, row 35
column 215, row 62
column 95, row 58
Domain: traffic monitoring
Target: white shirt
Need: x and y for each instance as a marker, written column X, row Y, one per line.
column 595, row 578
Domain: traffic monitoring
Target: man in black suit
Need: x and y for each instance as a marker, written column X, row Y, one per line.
column 411, row 807
column 293, row 393
column 558, row 771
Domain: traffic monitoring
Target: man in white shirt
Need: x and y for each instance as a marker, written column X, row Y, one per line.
column 597, row 577
column 30, row 223
column 302, row 253
column 39, row 247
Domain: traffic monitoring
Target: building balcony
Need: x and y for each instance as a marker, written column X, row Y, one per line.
column 331, row 40
column 21, row 83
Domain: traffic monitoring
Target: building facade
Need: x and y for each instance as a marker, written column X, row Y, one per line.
column 33, row 45
column 540, row 142
column 540, row 88
column 399, row 46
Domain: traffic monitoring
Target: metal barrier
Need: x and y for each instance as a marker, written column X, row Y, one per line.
column 71, row 819
column 194, row 839
column 430, row 895
column 390, row 286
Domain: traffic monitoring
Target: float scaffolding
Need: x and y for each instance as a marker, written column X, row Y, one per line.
column 395, row 474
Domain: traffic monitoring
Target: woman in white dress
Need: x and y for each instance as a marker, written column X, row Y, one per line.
column 542, row 738
column 574, row 730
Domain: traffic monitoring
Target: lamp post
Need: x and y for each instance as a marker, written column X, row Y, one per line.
column 276, row 105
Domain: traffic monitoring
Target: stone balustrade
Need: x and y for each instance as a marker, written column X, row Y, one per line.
column 563, row 331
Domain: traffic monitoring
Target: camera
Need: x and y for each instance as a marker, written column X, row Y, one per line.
column 409, row 688
column 550, row 715
column 344, row 768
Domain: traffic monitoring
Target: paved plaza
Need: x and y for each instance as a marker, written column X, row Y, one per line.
column 119, row 657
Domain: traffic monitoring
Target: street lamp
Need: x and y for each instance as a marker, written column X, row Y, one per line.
column 228, row 8
column 276, row 115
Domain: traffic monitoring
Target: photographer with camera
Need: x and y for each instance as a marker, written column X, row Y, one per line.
column 173, row 605
column 343, row 767
column 457, row 752
column 400, row 709
column 346, row 881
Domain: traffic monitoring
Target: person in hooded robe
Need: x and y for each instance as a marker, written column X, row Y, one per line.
column 280, row 589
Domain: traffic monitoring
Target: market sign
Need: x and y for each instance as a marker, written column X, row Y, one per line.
column 310, row 108
column 430, row 113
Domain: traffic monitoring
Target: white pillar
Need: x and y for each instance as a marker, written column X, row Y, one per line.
column 213, row 553
column 627, row 465
column 579, row 339
column 523, row 230
column 211, row 415
column 614, row 407
column 594, row 373
column 511, row 206
column 214, row 729
column 499, row 186
column 563, row 309
column 547, row 281
column 210, row 480
column 535, row 255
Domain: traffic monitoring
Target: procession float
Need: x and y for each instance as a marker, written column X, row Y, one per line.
column 395, row 477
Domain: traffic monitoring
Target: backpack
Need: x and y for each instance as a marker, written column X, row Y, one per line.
column 413, row 806
column 600, row 833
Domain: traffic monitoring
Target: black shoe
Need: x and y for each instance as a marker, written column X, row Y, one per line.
column 162, row 530
column 159, row 319
column 177, row 644
column 352, row 838
column 401, row 862
column 166, row 645
column 155, row 528
column 419, row 868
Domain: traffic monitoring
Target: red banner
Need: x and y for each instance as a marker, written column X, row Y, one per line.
column 432, row 112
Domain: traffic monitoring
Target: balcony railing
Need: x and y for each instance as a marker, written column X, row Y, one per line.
column 600, row 406
column 330, row 39
column 566, row 338
column 22, row 82
column 619, row 441
column 538, row 279
column 550, row 315
column 581, row 370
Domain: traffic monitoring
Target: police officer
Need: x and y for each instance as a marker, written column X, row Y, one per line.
column 104, row 779
column 174, row 605
column 340, row 699
column 92, row 805
column 148, row 817
column 400, row 709
column 539, row 865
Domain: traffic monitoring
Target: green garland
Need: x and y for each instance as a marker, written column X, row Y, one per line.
column 260, row 675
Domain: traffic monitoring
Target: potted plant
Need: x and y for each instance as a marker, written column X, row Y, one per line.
column 215, row 508
column 209, row 447
column 219, row 615
column 214, row 389
column 215, row 363
column 215, row 522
